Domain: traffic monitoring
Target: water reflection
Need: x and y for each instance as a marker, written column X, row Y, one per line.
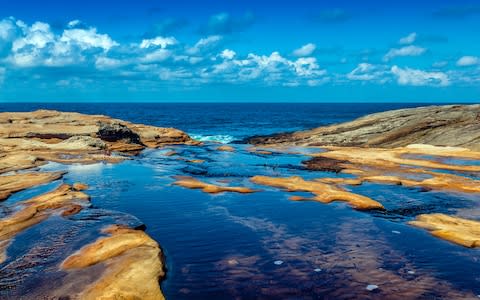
column 259, row 245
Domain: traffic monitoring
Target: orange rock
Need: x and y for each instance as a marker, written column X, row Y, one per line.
column 323, row 192
column 14, row 183
column 192, row 183
column 133, row 262
column 454, row 229
column 80, row 186
column 226, row 148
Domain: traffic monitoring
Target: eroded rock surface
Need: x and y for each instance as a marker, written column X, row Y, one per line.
column 454, row 229
column 56, row 131
column 133, row 261
column 450, row 125
column 325, row 193
column 192, row 183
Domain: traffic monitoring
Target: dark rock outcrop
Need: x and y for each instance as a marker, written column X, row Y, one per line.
column 113, row 132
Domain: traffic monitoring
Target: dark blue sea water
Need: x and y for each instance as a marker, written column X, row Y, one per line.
column 254, row 246
column 223, row 122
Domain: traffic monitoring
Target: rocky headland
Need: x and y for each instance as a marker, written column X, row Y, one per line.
column 449, row 125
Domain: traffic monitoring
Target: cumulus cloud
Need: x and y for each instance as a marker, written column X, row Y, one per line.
column 414, row 77
column 207, row 43
column 368, row 72
column 305, row 50
column 159, row 41
column 466, row 61
column 228, row 54
column 409, row 39
column 38, row 45
column 404, row 51
column 78, row 54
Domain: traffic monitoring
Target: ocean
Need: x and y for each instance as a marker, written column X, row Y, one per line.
column 223, row 122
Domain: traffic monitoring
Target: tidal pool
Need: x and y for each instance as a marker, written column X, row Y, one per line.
column 260, row 245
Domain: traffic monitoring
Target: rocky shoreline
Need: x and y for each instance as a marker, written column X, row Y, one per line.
column 132, row 260
column 417, row 148
column 449, row 125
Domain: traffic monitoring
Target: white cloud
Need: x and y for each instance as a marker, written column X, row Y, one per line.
column 305, row 50
column 205, row 43
column 404, row 51
column 308, row 66
column 228, row 54
column 466, row 61
column 158, row 55
column 409, row 39
column 74, row 23
column 162, row 42
column 7, row 29
column 368, row 72
column 88, row 38
column 407, row 76
column 38, row 45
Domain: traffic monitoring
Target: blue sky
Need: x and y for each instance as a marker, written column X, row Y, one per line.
column 241, row 51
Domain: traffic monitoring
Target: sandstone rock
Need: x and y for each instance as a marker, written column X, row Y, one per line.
column 450, row 125
column 325, row 193
column 389, row 166
column 10, row 184
column 192, row 183
column 226, row 148
column 55, row 130
column 78, row 186
column 133, row 262
column 38, row 209
column 454, row 229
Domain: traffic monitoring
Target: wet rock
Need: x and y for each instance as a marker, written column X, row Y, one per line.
column 113, row 132
column 388, row 166
column 323, row 192
column 10, row 184
column 226, row 148
column 192, row 183
column 78, row 186
column 454, row 229
column 325, row 164
column 449, row 125
column 72, row 210
column 133, row 262
column 37, row 209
